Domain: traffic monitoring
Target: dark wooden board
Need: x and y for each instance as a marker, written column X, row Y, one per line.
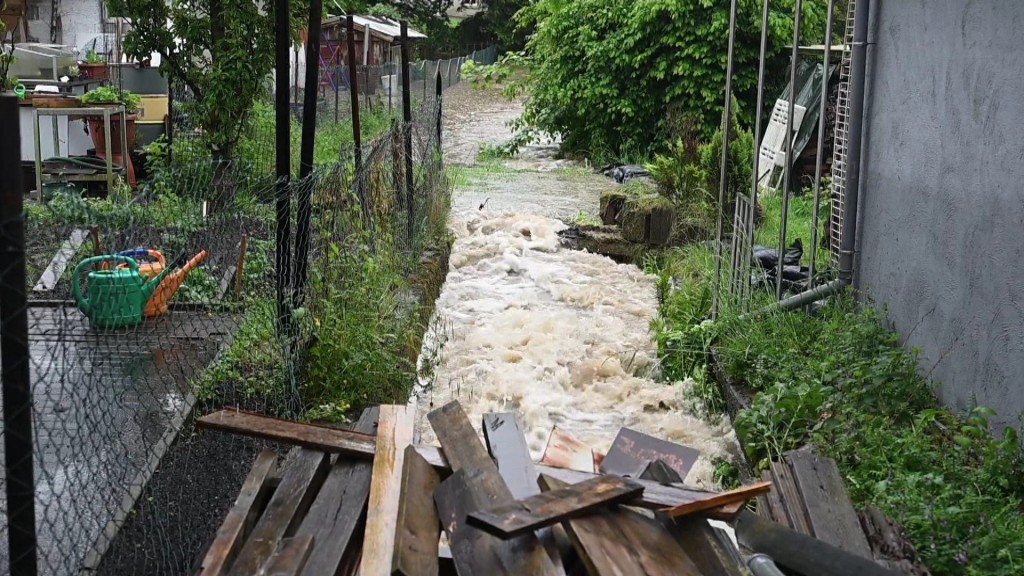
column 419, row 527
column 302, row 478
column 732, row 497
column 552, row 507
column 771, row 504
column 484, row 488
column 338, row 511
column 656, row 495
column 619, row 542
column 632, row 450
column 829, row 509
column 290, row 558
column 789, row 494
column 343, row 442
column 394, row 432
column 242, row 516
column 470, row 548
column 701, row 543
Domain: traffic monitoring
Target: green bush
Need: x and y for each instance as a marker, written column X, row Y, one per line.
column 363, row 331
column 842, row 382
column 613, row 76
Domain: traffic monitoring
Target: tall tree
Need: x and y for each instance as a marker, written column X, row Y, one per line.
column 221, row 50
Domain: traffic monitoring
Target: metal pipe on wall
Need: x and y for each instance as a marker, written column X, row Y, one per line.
column 819, row 160
column 723, row 182
column 858, row 66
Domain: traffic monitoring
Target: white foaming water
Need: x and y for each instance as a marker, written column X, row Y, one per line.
column 560, row 336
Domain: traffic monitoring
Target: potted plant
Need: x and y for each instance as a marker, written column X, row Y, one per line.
column 113, row 96
column 94, row 67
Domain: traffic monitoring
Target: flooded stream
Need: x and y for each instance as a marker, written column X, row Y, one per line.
column 561, row 337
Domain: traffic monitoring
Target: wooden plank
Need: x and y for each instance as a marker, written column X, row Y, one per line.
column 829, row 510
column 707, row 551
column 471, row 549
column 394, row 432
column 789, row 494
column 302, row 478
column 419, row 528
column 632, row 450
column 741, row 494
column 506, row 444
column 773, row 509
column 337, row 514
column 242, row 516
column 290, row 558
column 484, row 487
column 343, row 442
column 550, row 508
column 55, row 269
column 564, row 450
column 332, row 440
column 616, row 541
column 694, row 534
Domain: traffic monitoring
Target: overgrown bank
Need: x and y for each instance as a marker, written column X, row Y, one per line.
column 837, row 379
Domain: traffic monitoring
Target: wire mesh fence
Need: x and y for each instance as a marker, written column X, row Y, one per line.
column 149, row 304
column 770, row 244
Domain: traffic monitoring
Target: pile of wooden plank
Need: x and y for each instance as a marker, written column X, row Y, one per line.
column 370, row 501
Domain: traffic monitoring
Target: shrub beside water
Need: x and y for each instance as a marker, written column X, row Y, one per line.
column 842, row 382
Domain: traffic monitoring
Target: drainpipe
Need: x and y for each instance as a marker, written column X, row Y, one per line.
column 858, row 61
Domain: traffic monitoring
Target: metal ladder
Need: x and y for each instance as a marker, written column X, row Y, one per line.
column 840, row 149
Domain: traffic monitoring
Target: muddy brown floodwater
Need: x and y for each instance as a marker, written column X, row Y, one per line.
column 562, row 337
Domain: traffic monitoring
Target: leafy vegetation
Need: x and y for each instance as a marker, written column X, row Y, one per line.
column 841, row 381
column 221, row 51
column 113, row 95
column 614, row 76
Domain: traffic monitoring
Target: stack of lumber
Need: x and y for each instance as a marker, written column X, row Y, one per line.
column 369, row 501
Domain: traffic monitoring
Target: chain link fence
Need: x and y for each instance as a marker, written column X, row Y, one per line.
column 148, row 305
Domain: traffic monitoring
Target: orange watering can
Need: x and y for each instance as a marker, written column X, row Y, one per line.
column 169, row 286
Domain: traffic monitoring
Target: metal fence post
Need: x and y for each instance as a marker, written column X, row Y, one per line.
column 282, row 256
column 438, row 89
column 350, row 28
column 14, row 353
column 316, row 9
column 410, row 193
column 724, row 179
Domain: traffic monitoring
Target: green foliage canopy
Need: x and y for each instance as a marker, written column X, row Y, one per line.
column 612, row 76
column 222, row 50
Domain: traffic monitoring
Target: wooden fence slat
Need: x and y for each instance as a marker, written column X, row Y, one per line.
column 552, row 507
column 465, row 452
column 619, row 542
column 337, row 513
column 564, row 450
column 739, row 495
column 302, row 478
column 240, row 519
column 290, row 558
column 416, row 542
column 394, row 432
column 828, row 505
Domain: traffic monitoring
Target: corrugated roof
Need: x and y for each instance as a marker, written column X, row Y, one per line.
column 384, row 28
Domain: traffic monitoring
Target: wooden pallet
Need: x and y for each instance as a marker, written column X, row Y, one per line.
column 369, row 501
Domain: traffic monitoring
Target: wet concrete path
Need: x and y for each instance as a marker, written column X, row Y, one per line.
column 106, row 404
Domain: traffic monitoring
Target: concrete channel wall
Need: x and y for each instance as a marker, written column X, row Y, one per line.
column 942, row 210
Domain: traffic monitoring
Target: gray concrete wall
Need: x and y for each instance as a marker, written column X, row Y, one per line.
column 942, row 214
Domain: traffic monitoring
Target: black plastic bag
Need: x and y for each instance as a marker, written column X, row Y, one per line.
column 624, row 173
column 768, row 258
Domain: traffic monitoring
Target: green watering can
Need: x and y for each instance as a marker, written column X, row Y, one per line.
column 117, row 297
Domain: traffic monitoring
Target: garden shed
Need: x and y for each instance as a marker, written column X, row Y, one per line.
column 383, row 33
